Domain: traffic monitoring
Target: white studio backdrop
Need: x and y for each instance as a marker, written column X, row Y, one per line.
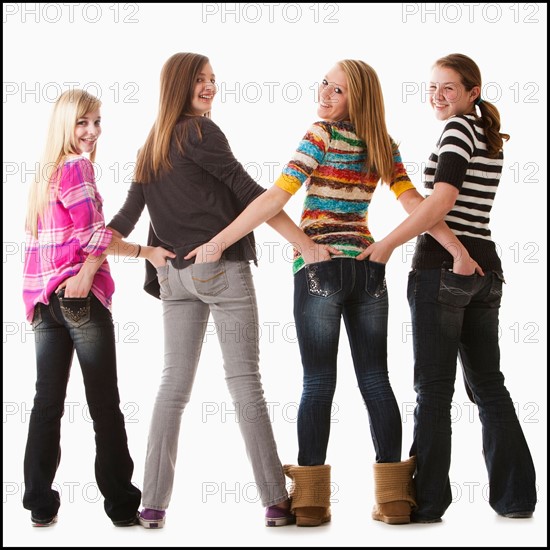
column 268, row 59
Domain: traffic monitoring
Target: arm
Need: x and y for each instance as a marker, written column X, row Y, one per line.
column 79, row 195
column 125, row 220
column 448, row 168
column 79, row 285
column 425, row 214
column 263, row 208
column 156, row 255
column 309, row 249
column 269, row 205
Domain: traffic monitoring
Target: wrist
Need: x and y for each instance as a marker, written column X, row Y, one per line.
column 303, row 242
column 146, row 252
column 457, row 251
column 215, row 246
column 388, row 244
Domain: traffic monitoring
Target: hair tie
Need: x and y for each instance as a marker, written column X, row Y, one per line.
column 479, row 101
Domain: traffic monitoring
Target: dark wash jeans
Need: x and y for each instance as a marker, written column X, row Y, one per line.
column 324, row 292
column 63, row 326
column 455, row 315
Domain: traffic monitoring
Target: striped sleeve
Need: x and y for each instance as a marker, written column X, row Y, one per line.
column 456, row 148
column 310, row 153
column 400, row 181
column 79, row 195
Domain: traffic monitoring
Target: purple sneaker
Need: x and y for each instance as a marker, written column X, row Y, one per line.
column 152, row 519
column 276, row 517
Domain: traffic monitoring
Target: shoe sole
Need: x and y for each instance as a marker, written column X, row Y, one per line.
column 435, row 520
column 129, row 523
column 302, row 521
column 519, row 515
column 279, row 522
column 392, row 520
column 152, row 523
column 40, row 523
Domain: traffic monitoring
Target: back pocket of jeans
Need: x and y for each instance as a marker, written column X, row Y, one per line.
column 210, row 279
column 455, row 290
column 376, row 279
column 324, row 279
column 76, row 311
column 164, row 284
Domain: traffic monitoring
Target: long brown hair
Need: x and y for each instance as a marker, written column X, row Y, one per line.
column 470, row 76
column 177, row 84
column 367, row 114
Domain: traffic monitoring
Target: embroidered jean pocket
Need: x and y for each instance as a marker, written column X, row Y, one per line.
column 164, row 284
column 455, row 290
column 375, row 284
column 76, row 311
column 210, row 279
column 324, row 279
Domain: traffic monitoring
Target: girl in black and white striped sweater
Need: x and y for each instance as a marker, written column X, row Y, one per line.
column 454, row 305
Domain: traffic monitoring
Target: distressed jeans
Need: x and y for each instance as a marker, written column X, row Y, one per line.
column 457, row 316
column 224, row 289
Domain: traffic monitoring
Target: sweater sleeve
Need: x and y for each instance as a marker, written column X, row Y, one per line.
column 79, row 195
column 456, row 148
column 310, row 153
column 400, row 181
column 211, row 151
column 127, row 217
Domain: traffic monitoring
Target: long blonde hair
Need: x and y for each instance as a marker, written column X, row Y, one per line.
column 367, row 114
column 70, row 106
column 177, row 86
column 470, row 76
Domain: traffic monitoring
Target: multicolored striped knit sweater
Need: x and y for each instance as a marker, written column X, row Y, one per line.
column 330, row 160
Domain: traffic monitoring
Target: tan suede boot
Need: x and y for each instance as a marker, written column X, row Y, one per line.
column 394, row 491
column 310, row 494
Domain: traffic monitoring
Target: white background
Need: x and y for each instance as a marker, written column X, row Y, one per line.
column 267, row 58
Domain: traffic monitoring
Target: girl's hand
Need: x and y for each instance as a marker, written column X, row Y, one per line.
column 205, row 253
column 78, row 286
column 464, row 265
column 156, row 255
column 319, row 253
column 378, row 252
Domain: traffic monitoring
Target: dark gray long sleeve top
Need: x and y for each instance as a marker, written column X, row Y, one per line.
column 204, row 192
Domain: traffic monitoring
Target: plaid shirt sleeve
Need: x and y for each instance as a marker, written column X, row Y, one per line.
column 79, row 195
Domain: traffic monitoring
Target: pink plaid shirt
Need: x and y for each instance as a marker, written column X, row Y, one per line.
column 73, row 229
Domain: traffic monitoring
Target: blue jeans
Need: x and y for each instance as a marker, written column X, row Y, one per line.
column 60, row 328
column 324, row 292
column 455, row 315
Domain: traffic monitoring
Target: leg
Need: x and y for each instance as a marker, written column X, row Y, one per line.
column 366, row 318
column 507, row 456
column 91, row 327
column 437, row 299
column 234, row 310
column 185, row 320
column 54, row 354
column 318, row 296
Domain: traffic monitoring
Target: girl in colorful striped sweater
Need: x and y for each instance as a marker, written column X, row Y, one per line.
column 340, row 161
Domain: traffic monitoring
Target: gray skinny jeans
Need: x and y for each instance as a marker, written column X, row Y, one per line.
column 225, row 289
